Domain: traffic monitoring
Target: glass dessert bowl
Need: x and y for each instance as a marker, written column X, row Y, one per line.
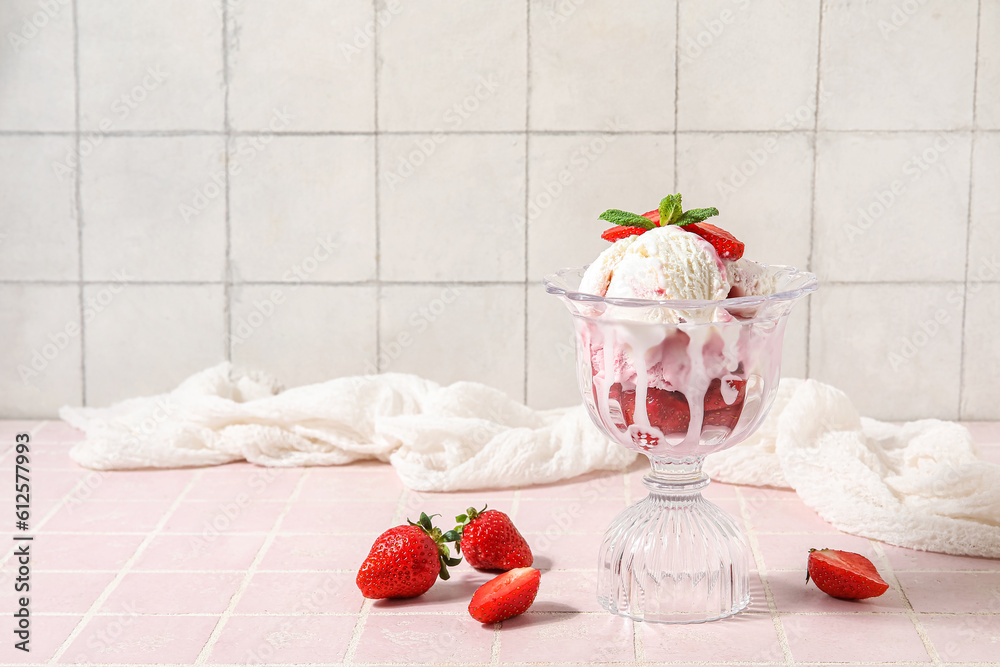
column 677, row 380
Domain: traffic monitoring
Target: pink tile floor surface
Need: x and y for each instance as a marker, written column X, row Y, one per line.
column 240, row 565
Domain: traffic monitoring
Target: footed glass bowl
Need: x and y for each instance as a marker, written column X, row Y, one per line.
column 677, row 381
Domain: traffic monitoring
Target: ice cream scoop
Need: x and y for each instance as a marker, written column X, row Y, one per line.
column 665, row 263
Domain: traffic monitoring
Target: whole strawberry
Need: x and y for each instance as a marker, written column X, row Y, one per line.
column 844, row 574
column 490, row 541
column 508, row 595
column 405, row 561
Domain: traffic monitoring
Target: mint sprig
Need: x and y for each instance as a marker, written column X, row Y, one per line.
column 694, row 215
column 670, row 209
column 626, row 219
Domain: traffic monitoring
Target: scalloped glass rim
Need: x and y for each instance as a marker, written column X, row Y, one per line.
column 801, row 283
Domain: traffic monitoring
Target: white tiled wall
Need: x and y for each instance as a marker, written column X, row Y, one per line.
column 321, row 188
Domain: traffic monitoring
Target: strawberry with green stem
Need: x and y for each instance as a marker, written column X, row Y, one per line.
column 405, row 561
column 490, row 541
column 670, row 212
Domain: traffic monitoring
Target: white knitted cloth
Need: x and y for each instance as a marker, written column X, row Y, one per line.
column 919, row 485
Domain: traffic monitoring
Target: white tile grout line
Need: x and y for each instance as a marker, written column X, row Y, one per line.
column 758, row 557
column 495, row 645
column 679, row 663
column 507, row 133
column 552, row 569
column 462, row 613
column 346, row 570
column 527, row 533
column 428, row 283
column 91, row 612
column 497, row 627
column 684, row 663
column 366, row 606
column 968, row 224
column 206, row 650
column 894, row 581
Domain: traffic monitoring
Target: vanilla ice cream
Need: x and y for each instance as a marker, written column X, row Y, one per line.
column 665, row 263
column 669, row 263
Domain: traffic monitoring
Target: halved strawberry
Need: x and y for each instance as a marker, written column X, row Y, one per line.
column 618, row 233
column 667, row 410
column 726, row 417
column 714, row 399
column 653, row 215
column 844, row 574
column 727, row 245
column 508, row 595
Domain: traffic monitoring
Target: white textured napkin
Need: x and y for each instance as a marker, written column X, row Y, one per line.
column 919, row 485
column 463, row 436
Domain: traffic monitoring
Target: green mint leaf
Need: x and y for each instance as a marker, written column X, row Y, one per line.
column 695, row 215
column 670, row 209
column 626, row 219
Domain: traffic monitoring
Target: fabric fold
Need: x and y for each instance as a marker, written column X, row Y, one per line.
column 919, row 485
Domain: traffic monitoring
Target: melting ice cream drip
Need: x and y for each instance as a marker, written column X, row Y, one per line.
column 680, row 358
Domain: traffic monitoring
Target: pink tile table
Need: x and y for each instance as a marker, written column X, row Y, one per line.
column 239, row 565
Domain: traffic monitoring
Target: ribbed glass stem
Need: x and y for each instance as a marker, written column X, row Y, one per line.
column 674, row 557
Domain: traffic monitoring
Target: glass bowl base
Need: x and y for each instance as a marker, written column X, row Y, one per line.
column 674, row 557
